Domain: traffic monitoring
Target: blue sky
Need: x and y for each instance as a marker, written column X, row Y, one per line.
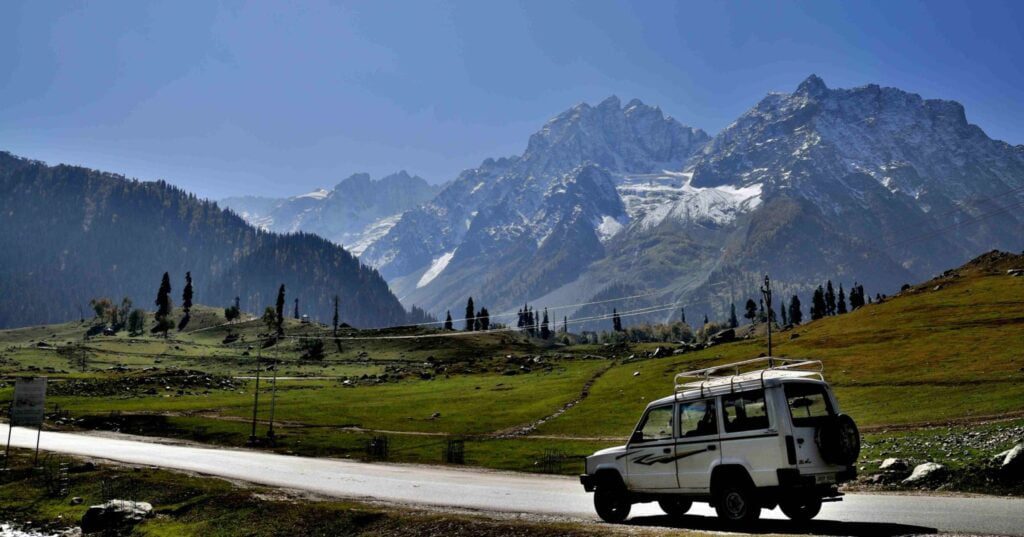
column 277, row 98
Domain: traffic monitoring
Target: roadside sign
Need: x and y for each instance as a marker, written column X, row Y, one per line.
column 29, row 402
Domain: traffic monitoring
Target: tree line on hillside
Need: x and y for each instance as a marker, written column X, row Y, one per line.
column 825, row 302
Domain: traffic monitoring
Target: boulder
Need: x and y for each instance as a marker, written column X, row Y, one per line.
column 114, row 516
column 926, row 474
column 723, row 336
column 1013, row 462
column 894, row 465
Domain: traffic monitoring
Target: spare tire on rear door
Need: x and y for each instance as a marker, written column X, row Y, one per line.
column 838, row 440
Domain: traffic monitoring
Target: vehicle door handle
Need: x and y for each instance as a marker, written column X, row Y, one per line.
column 666, row 450
column 712, row 447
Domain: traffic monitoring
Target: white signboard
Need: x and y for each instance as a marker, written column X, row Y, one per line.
column 29, row 402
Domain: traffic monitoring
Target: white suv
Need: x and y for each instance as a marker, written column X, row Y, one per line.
column 772, row 436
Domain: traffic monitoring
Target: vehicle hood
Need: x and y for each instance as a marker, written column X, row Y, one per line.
column 609, row 451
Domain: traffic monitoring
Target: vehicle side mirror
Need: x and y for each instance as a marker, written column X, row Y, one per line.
column 637, row 436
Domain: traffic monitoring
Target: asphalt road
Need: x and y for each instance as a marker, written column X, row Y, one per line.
column 484, row 490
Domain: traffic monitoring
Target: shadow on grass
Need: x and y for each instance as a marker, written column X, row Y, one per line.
column 813, row 527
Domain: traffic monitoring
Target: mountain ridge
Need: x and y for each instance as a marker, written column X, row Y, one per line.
column 69, row 234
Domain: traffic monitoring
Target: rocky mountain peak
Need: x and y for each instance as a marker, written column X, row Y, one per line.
column 812, row 86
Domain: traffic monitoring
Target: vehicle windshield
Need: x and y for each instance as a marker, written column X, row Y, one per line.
column 809, row 403
column 656, row 425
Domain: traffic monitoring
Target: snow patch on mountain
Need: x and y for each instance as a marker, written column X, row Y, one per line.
column 651, row 198
column 609, row 226
column 317, row 194
column 436, row 268
column 372, row 233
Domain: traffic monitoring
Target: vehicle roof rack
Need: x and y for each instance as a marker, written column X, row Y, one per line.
column 748, row 370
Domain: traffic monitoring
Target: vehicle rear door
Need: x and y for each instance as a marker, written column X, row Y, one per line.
column 649, row 455
column 697, row 447
column 809, row 406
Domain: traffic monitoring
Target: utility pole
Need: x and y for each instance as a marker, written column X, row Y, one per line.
column 766, row 291
column 256, row 396
column 273, row 401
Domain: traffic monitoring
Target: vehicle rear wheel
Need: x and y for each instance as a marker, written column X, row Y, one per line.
column 611, row 501
column 838, row 440
column 675, row 507
column 737, row 504
column 801, row 509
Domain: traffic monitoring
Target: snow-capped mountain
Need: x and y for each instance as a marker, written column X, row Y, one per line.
column 356, row 212
column 870, row 184
column 540, row 217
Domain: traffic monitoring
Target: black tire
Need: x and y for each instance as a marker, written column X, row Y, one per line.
column 611, row 501
column 737, row 504
column 801, row 509
column 838, row 440
column 675, row 507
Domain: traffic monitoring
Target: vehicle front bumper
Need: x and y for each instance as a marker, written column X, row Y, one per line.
column 589, row 482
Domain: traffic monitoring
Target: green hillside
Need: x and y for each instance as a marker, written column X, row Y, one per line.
column 948, row 352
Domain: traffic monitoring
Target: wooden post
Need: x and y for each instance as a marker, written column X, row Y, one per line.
column 256, row 396
column 10, row 428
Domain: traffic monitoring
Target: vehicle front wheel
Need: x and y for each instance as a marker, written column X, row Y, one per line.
column 612, row 503
column 737, row 504
column 675, row 507
column 801, row 509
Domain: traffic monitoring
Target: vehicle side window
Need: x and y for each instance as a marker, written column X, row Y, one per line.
column 808, row 403
column 656, row 425
column 745, row 411
column 698, row 418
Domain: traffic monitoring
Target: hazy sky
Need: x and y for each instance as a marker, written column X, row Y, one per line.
column 278, row 98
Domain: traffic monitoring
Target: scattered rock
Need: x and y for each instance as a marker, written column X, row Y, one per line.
column 115, row 516
column 636, row 373
column 1015, row 272
column 794, row 335
column 77, row 500
column 926, row 474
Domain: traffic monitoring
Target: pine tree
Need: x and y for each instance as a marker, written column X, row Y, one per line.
column 545, row 331
column 238, row 306
column 295, row 315
column 616, row 322
column 751, row 310
column 279, row 312
column 470, row 315
column 682, row 315
column 830, row 299
column 565, row 324
column 796, row 315
column 485, row 319
column 163, row 306
column 705, row 319
column 761, row 316
column 186, row 295
column 733, row 321
column 818, row 306
column 448, row 321
column 335, row 319
column 841, row 305
column 783, row 314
